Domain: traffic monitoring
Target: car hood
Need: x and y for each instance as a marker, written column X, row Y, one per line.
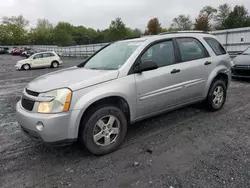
column 74, row 78
column 242, row 60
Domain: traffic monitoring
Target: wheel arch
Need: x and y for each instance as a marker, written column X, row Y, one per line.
column 219, row 73
column 116, row 100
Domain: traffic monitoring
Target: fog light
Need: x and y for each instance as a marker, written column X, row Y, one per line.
column 39, row 126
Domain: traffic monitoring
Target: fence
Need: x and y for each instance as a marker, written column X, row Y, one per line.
column 82, row 50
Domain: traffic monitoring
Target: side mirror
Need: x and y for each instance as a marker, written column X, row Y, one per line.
column 239, row 53
column 146, row 66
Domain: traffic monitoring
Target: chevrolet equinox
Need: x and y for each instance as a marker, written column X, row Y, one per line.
column 124, row 82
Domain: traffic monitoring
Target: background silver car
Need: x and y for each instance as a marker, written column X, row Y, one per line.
column 124, row 82
column 241, row 65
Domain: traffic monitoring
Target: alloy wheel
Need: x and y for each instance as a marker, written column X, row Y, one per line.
column 218, row 96
column 106, row 130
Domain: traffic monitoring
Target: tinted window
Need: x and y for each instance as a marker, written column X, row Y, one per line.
column 38, row 56
column 215, row 45
column 51, row 54
column 161, row 53
column 191, row 49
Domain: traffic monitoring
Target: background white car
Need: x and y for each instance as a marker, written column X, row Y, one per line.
column 42, row 59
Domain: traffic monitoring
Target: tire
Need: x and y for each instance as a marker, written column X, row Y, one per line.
column 54, row 64
column 216, row 86
column 89, row 128
column 26, row 67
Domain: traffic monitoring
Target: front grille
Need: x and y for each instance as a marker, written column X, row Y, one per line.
column 27, row 104
column 33, row 93
column 241, row 66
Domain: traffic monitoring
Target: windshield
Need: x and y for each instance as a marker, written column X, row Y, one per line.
column 113, row 56
column 31, row 57
column 247, row 51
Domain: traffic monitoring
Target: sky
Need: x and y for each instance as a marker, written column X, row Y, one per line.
column 99, row 13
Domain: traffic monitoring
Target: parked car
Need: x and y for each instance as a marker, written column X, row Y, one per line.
column 16, row 51
column 43, row 59
column 28, row 53
column 122, row 83
column 241, row 65
column 4, row 50
column 12, row 50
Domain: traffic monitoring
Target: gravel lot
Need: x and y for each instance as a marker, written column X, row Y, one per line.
column 185, row 148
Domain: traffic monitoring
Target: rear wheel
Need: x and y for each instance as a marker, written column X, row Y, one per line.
column 26, row 67
column 217, row 95
column 54, row 64
column 103, row 129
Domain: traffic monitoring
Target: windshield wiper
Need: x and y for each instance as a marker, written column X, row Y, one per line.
column 101, row 68
column 96, row 68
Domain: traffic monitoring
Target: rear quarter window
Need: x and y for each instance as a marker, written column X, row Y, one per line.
column 215, row 45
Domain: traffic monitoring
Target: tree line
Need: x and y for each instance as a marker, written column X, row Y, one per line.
column 14, row 30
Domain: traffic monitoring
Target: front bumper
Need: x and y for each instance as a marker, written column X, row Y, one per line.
column 243, row 72
column 58, row 128
column 18, row 66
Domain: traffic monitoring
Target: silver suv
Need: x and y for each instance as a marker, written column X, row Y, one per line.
column 122, row 83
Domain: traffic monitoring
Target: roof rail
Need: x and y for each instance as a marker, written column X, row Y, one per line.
column 181, row 32
column 127, row 38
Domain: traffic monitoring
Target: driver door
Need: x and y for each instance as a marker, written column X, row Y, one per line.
column 161, row 88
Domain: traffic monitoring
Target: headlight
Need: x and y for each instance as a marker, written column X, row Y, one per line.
column 60, row 103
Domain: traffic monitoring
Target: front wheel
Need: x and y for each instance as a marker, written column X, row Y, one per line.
column 26, row 67
column 217, row 95
column 103, row 130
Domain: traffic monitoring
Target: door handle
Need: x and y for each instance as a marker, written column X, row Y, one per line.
column 175, row 71
column 207, row 63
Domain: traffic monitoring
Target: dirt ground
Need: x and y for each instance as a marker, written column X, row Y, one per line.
column 189, row 147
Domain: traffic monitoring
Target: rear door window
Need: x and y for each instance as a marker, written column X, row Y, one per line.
column 215, row 45
column 191, row 49
column 46, row 55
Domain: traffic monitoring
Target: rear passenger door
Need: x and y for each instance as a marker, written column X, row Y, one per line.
column 47, row 59
column 195, row 67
